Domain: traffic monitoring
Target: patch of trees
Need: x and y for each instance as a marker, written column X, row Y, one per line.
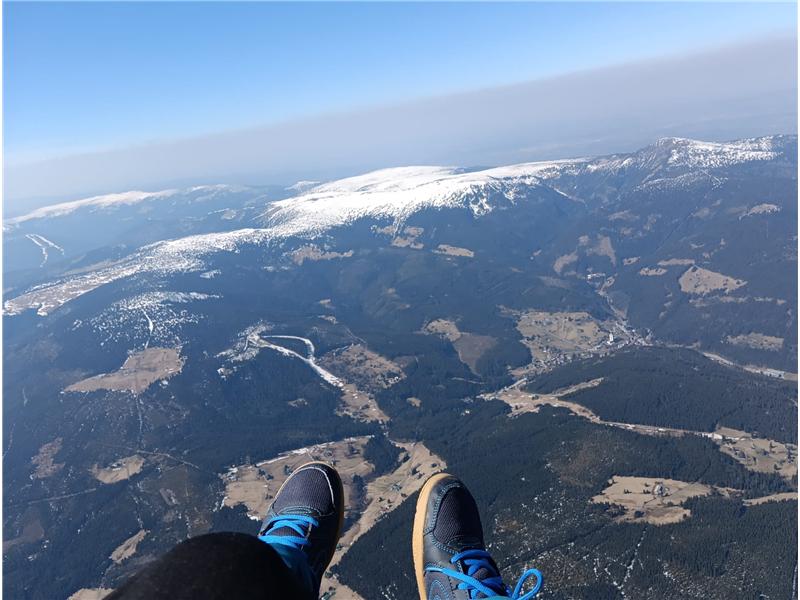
column 679, row 388
column 382, row 454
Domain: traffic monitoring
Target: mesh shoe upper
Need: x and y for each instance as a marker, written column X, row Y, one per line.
column 452, row 527
column 458, row 523
column 308, row 490
column 450, row 558
column 307, row 514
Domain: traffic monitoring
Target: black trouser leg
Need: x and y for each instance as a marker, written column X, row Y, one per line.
column 217, row 566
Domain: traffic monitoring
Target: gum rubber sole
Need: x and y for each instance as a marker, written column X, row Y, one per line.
column 417, row 536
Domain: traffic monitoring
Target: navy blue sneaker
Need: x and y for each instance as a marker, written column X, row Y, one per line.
column 305, row 518
column 450, row 558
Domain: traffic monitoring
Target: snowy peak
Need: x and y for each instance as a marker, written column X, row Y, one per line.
column 396, row 194
column 674, row 152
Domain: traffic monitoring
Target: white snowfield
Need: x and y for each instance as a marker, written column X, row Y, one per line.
column 388, row 194
column 394, row 194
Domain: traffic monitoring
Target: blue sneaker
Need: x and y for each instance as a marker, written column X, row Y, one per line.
column 450, row 558
column 305, row 520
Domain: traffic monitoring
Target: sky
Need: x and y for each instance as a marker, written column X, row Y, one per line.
column 100, row 86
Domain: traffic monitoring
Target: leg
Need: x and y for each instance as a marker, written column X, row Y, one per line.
column 216, row 566
column 286, row 561
column 450, row 558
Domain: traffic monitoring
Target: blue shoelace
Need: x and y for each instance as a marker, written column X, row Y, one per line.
column 300, row 524
column 492, row 586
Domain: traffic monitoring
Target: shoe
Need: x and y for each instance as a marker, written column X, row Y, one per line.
column 307, row 516
column 450, row 558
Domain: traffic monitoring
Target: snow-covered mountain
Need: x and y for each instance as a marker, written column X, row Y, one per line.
column 393, row 195
column 117, row 200
column 395, row 192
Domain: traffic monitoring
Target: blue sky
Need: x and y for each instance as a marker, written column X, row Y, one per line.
column 84, row 77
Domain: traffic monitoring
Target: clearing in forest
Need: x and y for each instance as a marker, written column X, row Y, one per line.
column 760, row 341
column 44, row 461
column 128, row 548
column 139, row 371
column 697, row 280
column 758, row 454
column 551, row 334
column 454, row 251
column 119, row 470
column 653, row 500
column 469, row 346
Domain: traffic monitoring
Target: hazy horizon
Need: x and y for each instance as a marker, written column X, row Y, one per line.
column 738, row 80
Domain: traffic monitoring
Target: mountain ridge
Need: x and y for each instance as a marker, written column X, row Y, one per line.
column 679, row 152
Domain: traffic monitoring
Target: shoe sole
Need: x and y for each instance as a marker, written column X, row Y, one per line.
column 417, row 536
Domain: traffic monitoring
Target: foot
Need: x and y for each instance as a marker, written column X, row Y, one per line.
column 450, row 558
column 305, row 518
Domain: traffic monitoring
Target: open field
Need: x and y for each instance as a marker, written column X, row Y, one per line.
column 601, row 247
column 522, row 401
column 359, row 364
column 44, row 461
column 31, row 532
column 697, row 280
column 761, row 209
column 360, row 405
column 758, row 454
column 548, row 334
column 364, row 372
column 564, row 261
column 313, row 253
column 120, row 470
column 444, row 328
column 759, row 341
column 90, row 594
column 784, row 497
column 652, row 500
column 454, row 251
column 385, row 493
column 141, row 369
column 403, row 237
column 128, row 548
column 469, row 346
